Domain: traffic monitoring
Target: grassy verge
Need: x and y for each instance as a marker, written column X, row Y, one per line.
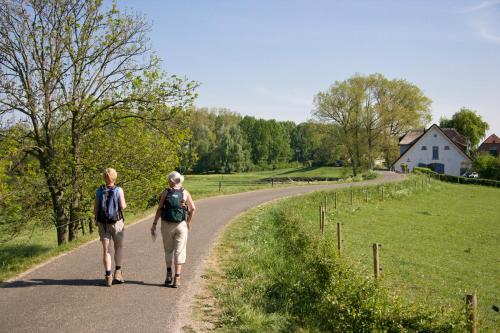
column 440, row 241
column 38, row 243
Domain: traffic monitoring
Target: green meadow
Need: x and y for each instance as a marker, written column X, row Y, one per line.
column 277, row 272
column 201, row 186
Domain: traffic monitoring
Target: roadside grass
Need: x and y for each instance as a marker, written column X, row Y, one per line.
column 439, row 241
column 38, row 243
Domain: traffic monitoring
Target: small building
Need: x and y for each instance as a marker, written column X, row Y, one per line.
column 443, row 150
column 490, row 145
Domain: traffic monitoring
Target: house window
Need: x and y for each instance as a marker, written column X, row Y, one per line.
column 424, row 147
column 446, row 147
column 435, row 153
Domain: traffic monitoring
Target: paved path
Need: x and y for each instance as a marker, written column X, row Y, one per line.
column 67, row 294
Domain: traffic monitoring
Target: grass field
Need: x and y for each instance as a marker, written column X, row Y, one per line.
column 202, row 186
column 436, row 246
column 439, row 242
column 38, row 244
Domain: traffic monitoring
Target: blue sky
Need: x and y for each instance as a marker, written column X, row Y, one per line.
column 269, row 58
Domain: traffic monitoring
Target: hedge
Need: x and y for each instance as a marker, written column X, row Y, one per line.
column 458, row 179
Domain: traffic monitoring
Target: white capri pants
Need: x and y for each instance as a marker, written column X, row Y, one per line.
column 175, row 235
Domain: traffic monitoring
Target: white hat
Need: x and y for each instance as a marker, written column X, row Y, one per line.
column 176, row 177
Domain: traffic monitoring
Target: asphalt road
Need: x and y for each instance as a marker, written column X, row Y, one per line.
column 68, row 295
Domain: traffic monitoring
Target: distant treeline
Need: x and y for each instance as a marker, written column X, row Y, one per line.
column 224, row 141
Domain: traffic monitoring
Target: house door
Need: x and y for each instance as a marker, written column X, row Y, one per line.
column 439, row 168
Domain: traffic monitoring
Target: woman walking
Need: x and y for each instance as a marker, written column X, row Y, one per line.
column 108, row 206
column 176, row 209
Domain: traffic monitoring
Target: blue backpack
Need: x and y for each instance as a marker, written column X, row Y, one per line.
column 109, row 204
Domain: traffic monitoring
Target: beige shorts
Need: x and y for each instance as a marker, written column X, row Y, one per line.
column 175, row 237
column 112, row 231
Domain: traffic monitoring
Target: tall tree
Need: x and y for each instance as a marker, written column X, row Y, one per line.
column 232, row 154
column 468, row 123
column 371, row 111
column 68, row 67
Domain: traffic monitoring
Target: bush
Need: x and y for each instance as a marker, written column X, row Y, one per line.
column 422, row 170
column 487, row 166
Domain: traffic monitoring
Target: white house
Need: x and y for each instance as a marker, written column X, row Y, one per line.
column 443, row 150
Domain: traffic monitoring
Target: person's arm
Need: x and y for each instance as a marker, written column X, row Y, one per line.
column 158, row 211
column 192, row 209
column 123, row 204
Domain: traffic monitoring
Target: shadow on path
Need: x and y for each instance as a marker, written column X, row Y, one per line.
column 68, row 282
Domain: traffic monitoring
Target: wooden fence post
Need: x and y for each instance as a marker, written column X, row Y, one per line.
column 471, row 302
column 272, row 182
column 352, row 194
column 376, row 260
column 382, row 192
column 323, row 217
column 335, row 199
column 220, row 186
column 339, row 237
column 326, row 203
column 366, row 195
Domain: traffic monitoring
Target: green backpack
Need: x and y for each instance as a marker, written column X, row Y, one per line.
column 174, row 207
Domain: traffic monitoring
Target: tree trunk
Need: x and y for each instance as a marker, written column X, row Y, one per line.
column 74, row 212
column 56, row 195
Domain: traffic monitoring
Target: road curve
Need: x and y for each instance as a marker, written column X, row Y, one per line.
column 67, row 294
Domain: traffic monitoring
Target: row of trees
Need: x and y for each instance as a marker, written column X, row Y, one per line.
column 224, row 141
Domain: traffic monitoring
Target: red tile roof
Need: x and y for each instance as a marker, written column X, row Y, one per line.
column 492, row 139
column 411, row 137
column 456, row 137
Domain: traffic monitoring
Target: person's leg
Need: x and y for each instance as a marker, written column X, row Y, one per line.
column 168, row 246
column 117, row 231
column 118, row 245
column 106, row 260
column 106, row 256
column 180, row 240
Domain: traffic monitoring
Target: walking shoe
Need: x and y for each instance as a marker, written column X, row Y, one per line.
column 168, row 280
column 118, row 278
column 108, row 279
column 177, row 281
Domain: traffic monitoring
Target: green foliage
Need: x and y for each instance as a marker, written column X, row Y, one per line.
column 422, row 170
column 279, row 272
column 95, row 90
column 232, row 153
column 468, row 123
column 370, row 113
column 487, row 166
